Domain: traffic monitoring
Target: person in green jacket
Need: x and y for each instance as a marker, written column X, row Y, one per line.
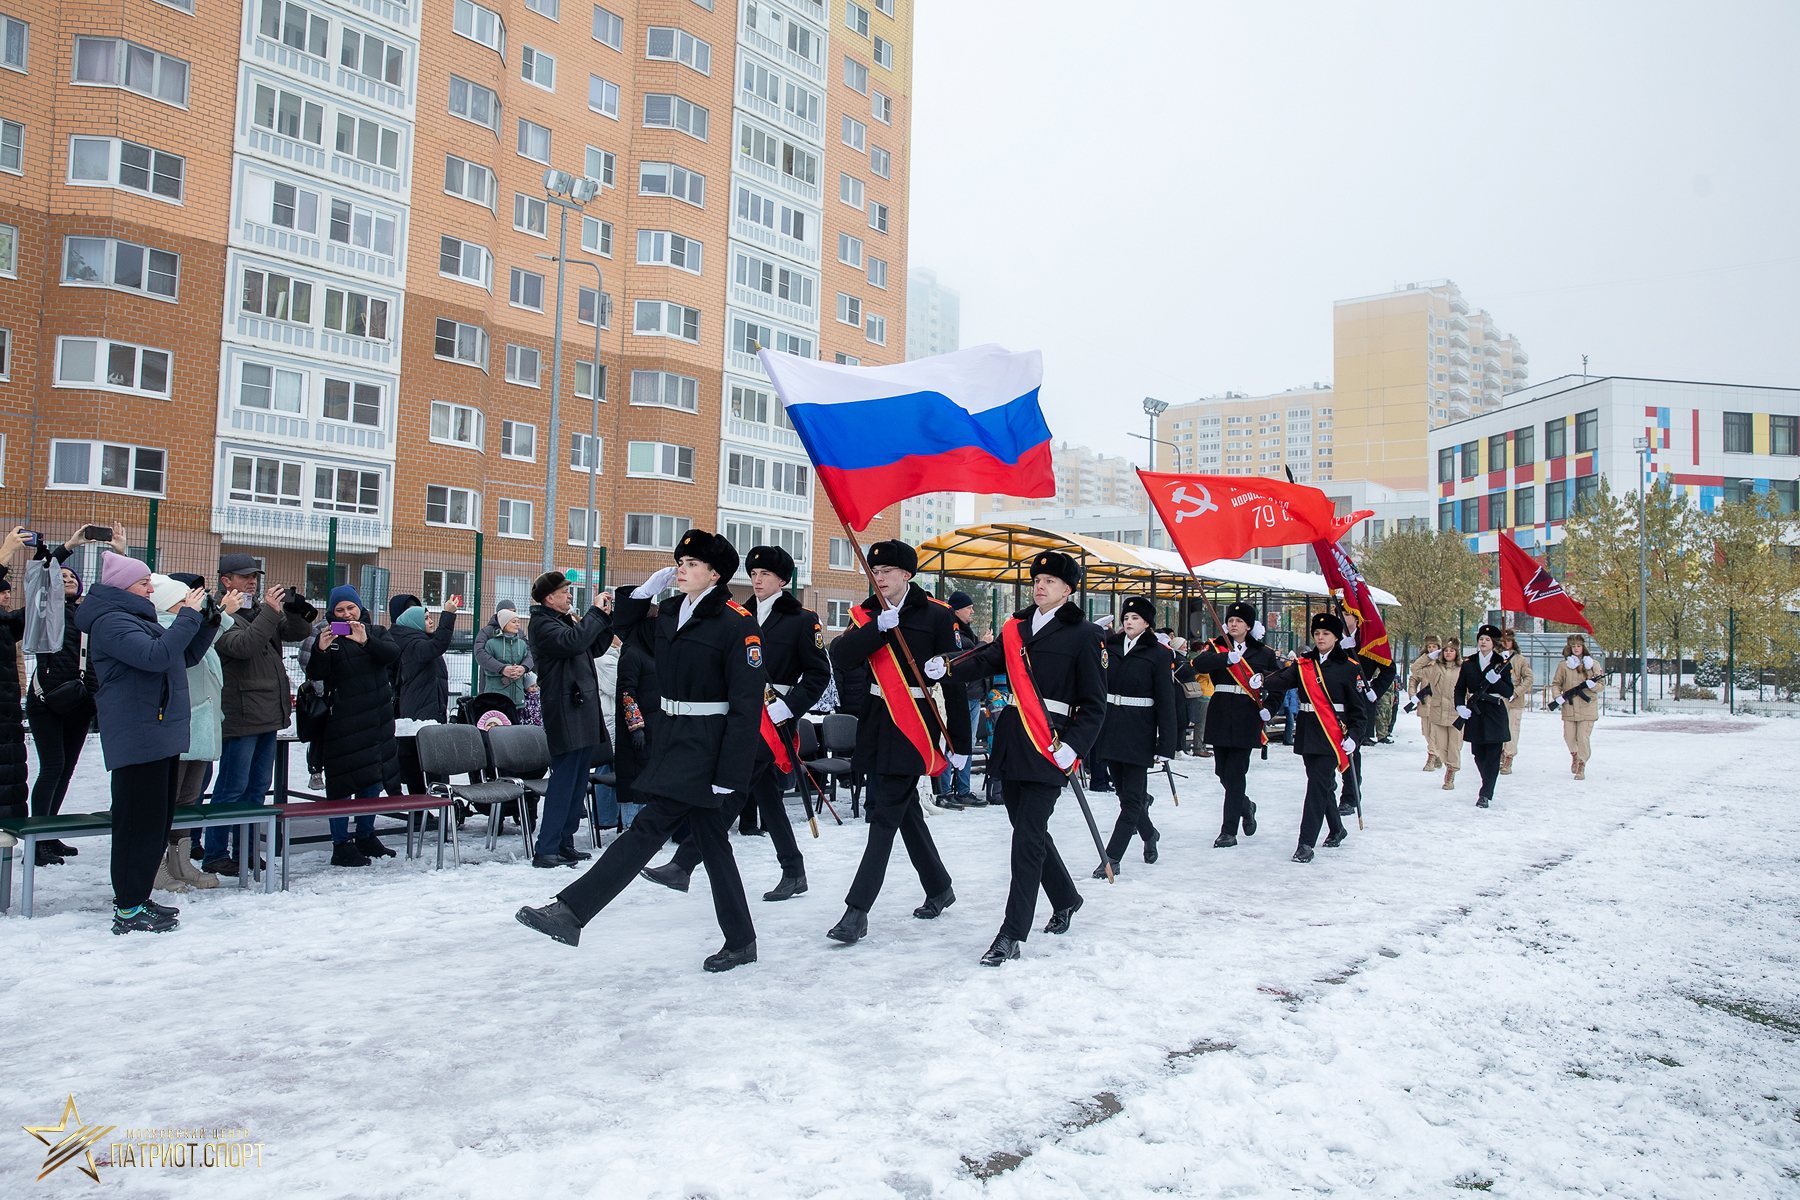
column 505, row 656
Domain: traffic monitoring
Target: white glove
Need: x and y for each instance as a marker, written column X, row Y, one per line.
column 1462, row 710
column 1164, row 638
column 1573, row 661
column 1349, row 641
column 1494, row 675
column 1349, row 745
column 957, row 761
column 719, row 791
column 1371, row 694
column 1506, row 655
column 1588, row 662
column 648, row 589
column 1256, row 680
column 936, row 667
column 779, row 712
column 1265, row 715
column 1257, row 631
column 1235, row 657
column 1065, row 756
column 1411, row 705
column 887, row 618
column 1104, row 620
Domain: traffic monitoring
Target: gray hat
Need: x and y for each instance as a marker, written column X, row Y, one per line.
column 239, row 564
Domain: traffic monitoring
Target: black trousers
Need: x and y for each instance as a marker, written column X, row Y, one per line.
column 634, row 849
column 143, row 808
column 1231, row 764
column 892, row 802
column 59, row 742
column 1487, row 761
column 1321, row 798
column 766, row 791
column 1100, row 776
column 1353, row 779
column 1134, row 808
column 1035, row 861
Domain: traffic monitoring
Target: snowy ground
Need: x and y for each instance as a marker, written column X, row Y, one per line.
column 1589, row 990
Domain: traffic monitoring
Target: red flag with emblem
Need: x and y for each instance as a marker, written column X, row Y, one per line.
column 1525, row 586
column 1220, row 516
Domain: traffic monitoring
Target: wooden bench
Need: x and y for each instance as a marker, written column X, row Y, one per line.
column 444, row 806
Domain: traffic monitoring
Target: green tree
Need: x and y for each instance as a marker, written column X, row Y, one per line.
column 1433, row 574
column 1599, row 562
column 1748, row 569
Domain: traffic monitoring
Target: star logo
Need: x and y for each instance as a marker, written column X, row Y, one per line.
column 78, row 1142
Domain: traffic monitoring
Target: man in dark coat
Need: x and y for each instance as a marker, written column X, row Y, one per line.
column 1064, row 663
column 358, row 751
column 1142, row 724
column 796, row 672
column 1349, row 714
column 891, row 760
column 1238, row 711
column 1483, row 686
column 709, row 664
column 569, row 689
column 1378, row 677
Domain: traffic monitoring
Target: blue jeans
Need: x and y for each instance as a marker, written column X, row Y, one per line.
column 628, row 812
column 246, row 767
column 365, row 825
column 563, row 800
column 606, row 804
column 960, row 777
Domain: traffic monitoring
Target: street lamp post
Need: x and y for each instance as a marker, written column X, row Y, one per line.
column 1155, row 408
column 602, row 309
column 579, row 191
column 1642, row 445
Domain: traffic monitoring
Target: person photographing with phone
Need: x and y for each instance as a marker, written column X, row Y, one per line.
column 352, row 658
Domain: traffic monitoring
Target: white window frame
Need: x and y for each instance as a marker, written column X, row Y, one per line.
column 603, row 96
column 875, row 329
column 667, row 313
column 347, row 141
column 486, row 282
column 856, row 76
column 854, row 133
column 885, row 7
column 550, row 10
column 602, row 302
column 672, row 172
column 466, row 167
column 666, row 248
column 108, row 265
column 684, row 48
column 745, row 330
column 597, row 236
column 124, row 54
column 372, row 303
column 837, row 612
column 881, row 162
column 464, row 22
column 767, row 406
column 274, row 370
column 96, row 453
column 884, row 53
column 842, row 557
column 785, row 281
column 534, row 128
column 369, row 45
column 881, row 107
column 602, row 165
column 532, row 68
column 850, row 249
column 456, row 333
column 878, row 278
column 470, row 92
column 515, row 365
column 352, row 403
column 660, row 454
column 471, row 500
column 477, row 425
column 115, row 169
column 278, row 497
column 23, row 66
column 677, row 526
column 851, row 190
column 374, row 219
column 856, row 18
column 506, row 517
column 665, row 389
column 846, row 360
column 518, row 289
column 609, row 29
column 102, row 358
column 524, row 208
column 849, row 310
column 5, row 358
column 12, row 144
column 878, row 217
column 579, row 444
column 588, row 394
column 684, row 115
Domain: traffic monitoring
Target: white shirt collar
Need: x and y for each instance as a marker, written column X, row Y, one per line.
column 1040, row 618
column 688, row 605
column 765, row 607
column 1130, row 642
column 1486, row 656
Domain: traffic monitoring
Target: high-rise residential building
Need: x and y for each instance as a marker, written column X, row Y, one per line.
column 924, row 517
column 218, row 230
column 933, row 315
column 1238, row 434
column 1406, row 362
column 1083, row 479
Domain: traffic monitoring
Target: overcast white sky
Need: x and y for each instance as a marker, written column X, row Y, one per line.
column 1165, row 198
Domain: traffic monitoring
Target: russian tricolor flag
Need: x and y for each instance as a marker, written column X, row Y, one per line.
column 967, row 422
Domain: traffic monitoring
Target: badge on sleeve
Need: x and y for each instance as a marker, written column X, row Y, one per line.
column 818, row 636
column 753, row 648
column 1103, row 656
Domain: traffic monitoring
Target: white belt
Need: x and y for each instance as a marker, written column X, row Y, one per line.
column 1055, row 706
column 918, row 693
column 1229, row 687
column 782, row 689
column 1131, row 701
column 695, row 708
column 1305, row 707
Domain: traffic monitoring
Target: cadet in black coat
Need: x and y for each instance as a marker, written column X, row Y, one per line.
column 1344, row 683
column 1142, row 724
column 890, row 761
column 709, row 664
column 1065, row 656
column 1483, row 686
column 1378, row 677
column 796, row 671
column 1235, row 718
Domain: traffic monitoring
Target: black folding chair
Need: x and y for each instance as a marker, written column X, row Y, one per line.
column 839, row 737
column 461, row 750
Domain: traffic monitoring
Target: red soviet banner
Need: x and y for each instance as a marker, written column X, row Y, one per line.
column 1525, row 586
column 1221, row 516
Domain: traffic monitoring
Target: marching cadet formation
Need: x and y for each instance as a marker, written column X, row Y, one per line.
column 735, row 681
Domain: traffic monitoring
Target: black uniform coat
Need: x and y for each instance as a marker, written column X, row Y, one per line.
column 1488, row 721
column 716, row 656
column 1379, row 677
column 1344, row 680
column 1231, row 718
column 568, row 687
column 1134, row 734
column 358, row 750
column 793, row 648
column 637, row 679
column 929, row 628
column 852, row 675
column 1065, row 658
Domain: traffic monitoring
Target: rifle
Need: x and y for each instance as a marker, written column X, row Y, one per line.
column 1169, row 772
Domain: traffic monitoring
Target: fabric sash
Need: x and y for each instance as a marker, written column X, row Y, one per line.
column 1241, row 672
column 1312, row 682
column 1025, row 693
column 770, row 735
column 897, row 695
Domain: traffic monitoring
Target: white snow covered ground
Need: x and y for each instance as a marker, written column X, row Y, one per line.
column 1589, row 990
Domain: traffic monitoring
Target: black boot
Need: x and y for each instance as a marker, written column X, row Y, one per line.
column 1336, row 839
column 1303, row 853
column 949, row 800
column 571, row 855
column 1003, row 948
column 60, row 848
column 47, row 857
column 1059, row 920
column 555, row 920
column 1150, row 852
column 1100, row 871
column 547, row 861
column 934, row 906
column 669, row 875
column 229, row 866
column 1481, row 802
column 1346, row 808
column 371, row 845
column 971, row 800
column 728, row 958
column 1250, row 819
column 343, row 854
column 196, row 852
column 852, row 927
column 142, row 919
column 789, row 887
column 1224, row 840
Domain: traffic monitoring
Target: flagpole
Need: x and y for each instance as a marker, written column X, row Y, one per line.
column 905, row 650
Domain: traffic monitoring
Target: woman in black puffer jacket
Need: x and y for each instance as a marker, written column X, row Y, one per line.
column 357, row 749
column 59, row 736
column 13, row 769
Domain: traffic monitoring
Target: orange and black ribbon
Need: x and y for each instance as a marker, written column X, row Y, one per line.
column 1312, row 682
column 901, row 706
column 1025, row 693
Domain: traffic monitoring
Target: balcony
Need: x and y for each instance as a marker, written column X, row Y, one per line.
column 1458, row 341
column 1519, row 357
column 761, row 500
column 323, row 72
column 265, row 525
column 763, row 435
column 400, row 16
column 762, row 235
column 1456, row 322
column 775, row 306
column 1458, row 304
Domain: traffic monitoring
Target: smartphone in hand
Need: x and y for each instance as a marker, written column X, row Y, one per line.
column 340, row 628
column 97, row 533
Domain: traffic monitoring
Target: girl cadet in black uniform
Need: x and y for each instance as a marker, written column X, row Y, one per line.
column 1142, row 724
column 709, row 664
column 1326, row 752
column 1238, row 710
column 1483, row 686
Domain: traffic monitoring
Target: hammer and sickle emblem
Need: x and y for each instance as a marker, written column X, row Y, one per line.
column 1203, row 503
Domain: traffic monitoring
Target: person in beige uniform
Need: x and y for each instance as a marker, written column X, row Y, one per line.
column 1578, row 672
column 1416, row 679
column 1521, row 697
column 1440, row 709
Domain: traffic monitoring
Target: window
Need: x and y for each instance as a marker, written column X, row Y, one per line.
column 603, row 96
column 1556, row 500
column 368, row 142
column 584, row 380
column 526, row 290
column 471, row 181
column 672, row 112
column 837, row 612
column 856, row 76
column 856, row 134
column 1446, row 512
column 850, row 250
column 15, row 43
column 609, row 29
column 462, row 343
column 112, row 366
column 667, row 319
column 596, row 236
column 849, row 309
column 547, row 8
column 363, row 228
column 665, row 390
column 1556, row 441
column 1525, row 507
column 512, row 518
column 758, row 406
column 530, row 215
column 1469, row 520
column 1586, row 487
column 585, row 302
column 5, row 358
column 108, row 262
column 472, row 102
column 800, row 103
column 1739, row 438
column 600, row 164
column 344, row 490
column 667, row 179
column 522, row 365
column 875, row 329
column 886, row 7
column 271, row 481
column 856, row 17
column 450, row 506
column 668, row 249
column 1447, row 464
column 805, row 42
column 579, row 526
column 747, row 337
column 585, row 453
column 480, row 24
column 271, row 389
column 884, row 53
column 1525, row 446
column 850, row 190
column 457, row 424
column 357, row 403
column 882, row 108
column 761, row 82
column 746, row 470
column 355, row 314
column 1787, row 494
column 114, row 62
column 846, row 360
column 373, row 58
column 1494, row 511
column 294, row 26
column 113, row 162
column 878, row 273
column 1587, row 431
column 12, row 147
column 537, row 67
column 843, row 557
column 878, row 217
column 1784, row 432
column 1471, row 459
column 465, row 260
column 288, row 114
column 654, row 531
column 534, row 141
column 103, row 465
column 661, row 460
column 880, row 161
column 437, row 586
column 674, row 45
column 774, row 279
column 1497, row 452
